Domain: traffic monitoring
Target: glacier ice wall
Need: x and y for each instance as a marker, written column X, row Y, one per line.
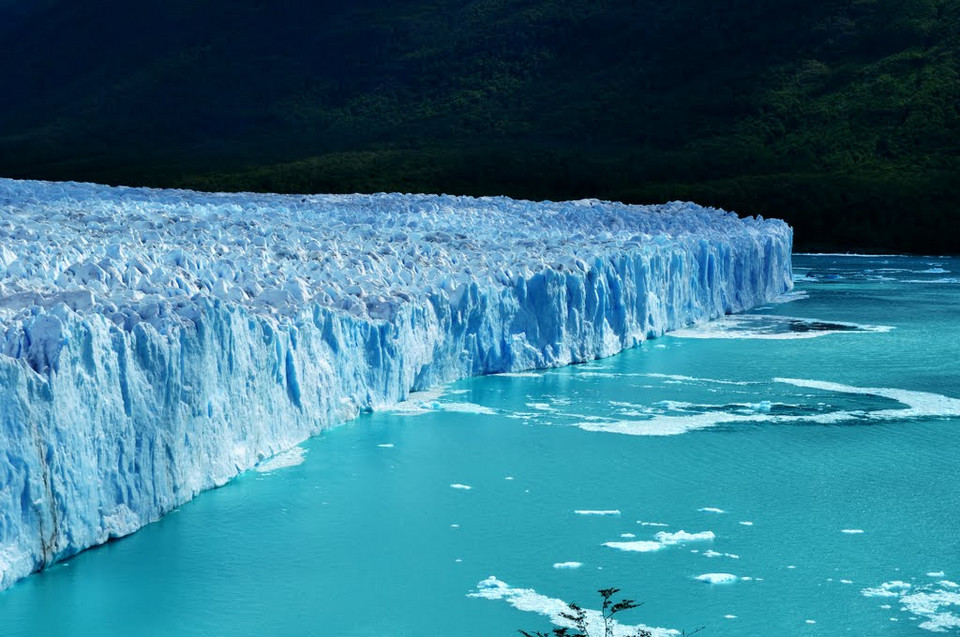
column 155, row 343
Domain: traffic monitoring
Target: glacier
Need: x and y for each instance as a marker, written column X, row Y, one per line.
column 156, row 343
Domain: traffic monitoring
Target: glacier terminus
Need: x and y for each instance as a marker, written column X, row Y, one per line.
column 156, row 343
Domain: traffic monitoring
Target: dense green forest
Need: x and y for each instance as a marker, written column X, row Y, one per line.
column 840, row 116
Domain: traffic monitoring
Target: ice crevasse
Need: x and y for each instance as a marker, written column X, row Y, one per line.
column 155, row 343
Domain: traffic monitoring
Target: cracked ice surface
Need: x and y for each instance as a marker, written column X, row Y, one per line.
column 154, row 343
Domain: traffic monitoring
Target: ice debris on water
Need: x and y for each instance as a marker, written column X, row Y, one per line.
column 556, row 610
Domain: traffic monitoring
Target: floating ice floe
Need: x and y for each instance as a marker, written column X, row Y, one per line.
column 527, row 599
column 636, row 546
column 773, row 327
column 520, row 375
column 888, row 589
column 694, row 379
column 717, row 578
column 682, row 536
column 677, row 417
column 433, row 401
column 662, row 540
column 542, row 406
column 711, row 553
column 937, row 604
column 289, row 458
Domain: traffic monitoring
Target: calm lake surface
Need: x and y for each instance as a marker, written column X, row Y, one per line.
column 810, row 452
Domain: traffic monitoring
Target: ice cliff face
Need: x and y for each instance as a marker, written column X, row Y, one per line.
column 155, row 343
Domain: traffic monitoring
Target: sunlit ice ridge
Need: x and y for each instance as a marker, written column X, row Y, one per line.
column 155, row 343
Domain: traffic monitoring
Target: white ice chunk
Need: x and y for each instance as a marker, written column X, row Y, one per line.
column 717, row 578
column 637, row 546
column 680, row 537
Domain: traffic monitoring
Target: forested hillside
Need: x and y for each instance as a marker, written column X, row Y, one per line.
column 839, row 116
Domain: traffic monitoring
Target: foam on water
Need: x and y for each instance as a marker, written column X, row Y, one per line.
column 597, row 511
column 693, row 379
column 919, row 404
column 462, row 487
column 568, row 565
column 520, row 375
column 851, row 255
column 940, row 280
column 527, row 599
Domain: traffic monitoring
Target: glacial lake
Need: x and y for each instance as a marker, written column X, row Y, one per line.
column 809, row 452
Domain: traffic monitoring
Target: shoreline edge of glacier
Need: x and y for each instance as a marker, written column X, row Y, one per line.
column 156, row 343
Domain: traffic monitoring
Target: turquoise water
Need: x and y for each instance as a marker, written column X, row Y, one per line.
column 362, row 538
